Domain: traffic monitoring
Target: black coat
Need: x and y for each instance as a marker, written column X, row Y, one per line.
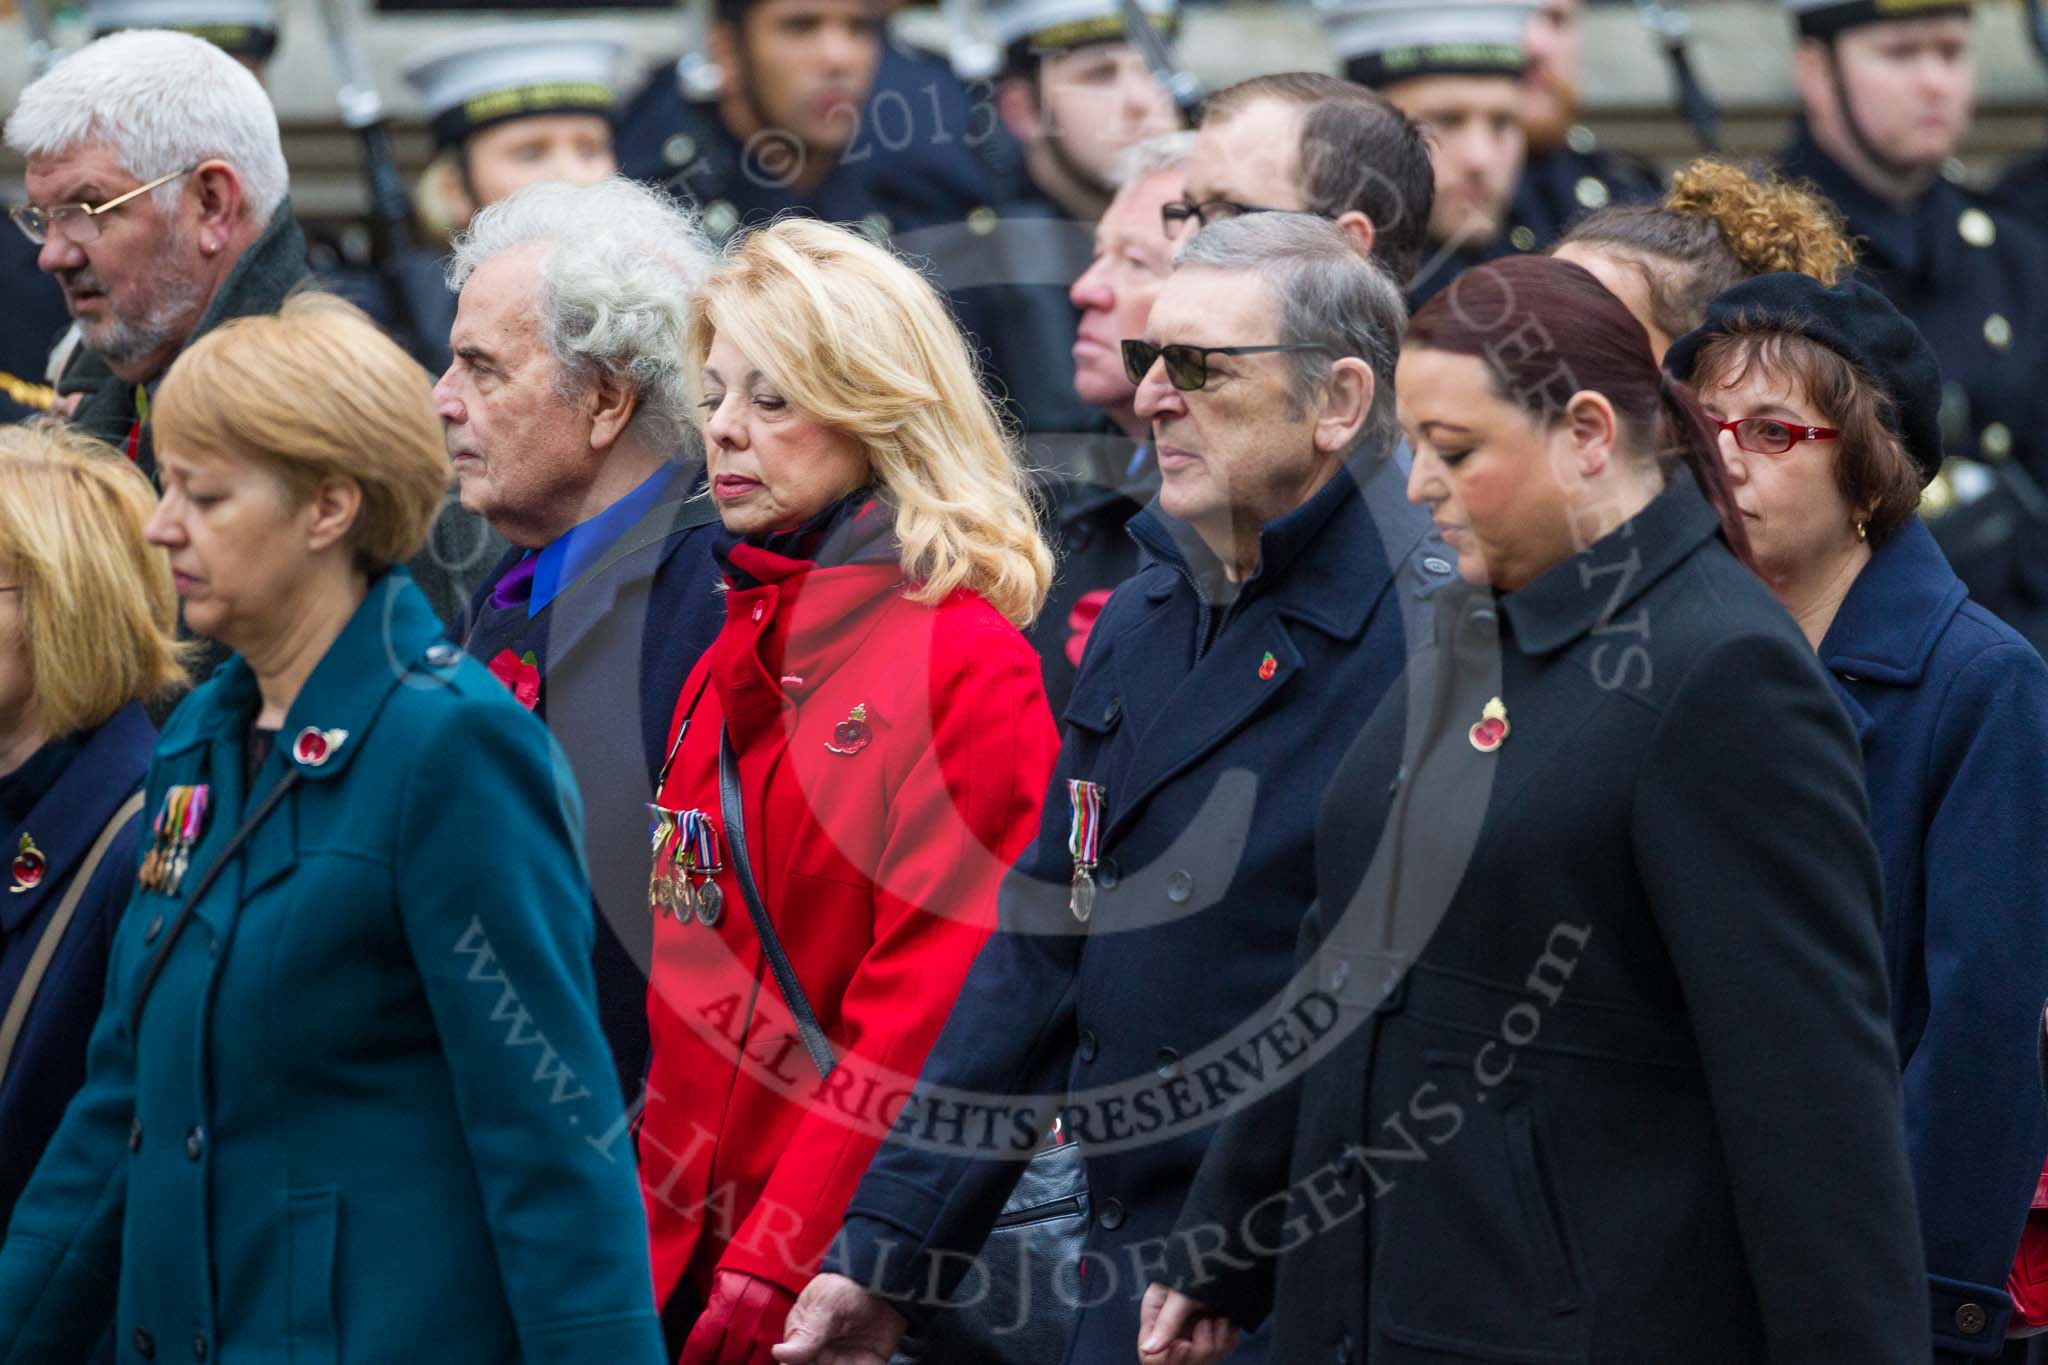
column 1610, row 1076
column 613, row 649
column 1212, row 758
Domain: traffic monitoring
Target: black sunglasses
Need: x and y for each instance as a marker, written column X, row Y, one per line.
column 1187, row 367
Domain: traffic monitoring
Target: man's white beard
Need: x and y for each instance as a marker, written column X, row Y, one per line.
column 163, row 316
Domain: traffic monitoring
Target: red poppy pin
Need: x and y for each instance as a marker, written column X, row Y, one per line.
column 1268, row 666
column 28, row 866
column 1492, row 729
column 315, row 746
column 1081, row 620
column 851, row 735
column 521, row 675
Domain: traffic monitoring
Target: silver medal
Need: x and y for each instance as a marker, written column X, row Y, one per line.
column 1082, row 901
column 710, row 903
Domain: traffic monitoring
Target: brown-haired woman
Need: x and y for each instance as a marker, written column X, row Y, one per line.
column 1829, row 404
column 1610, row 1078
column 88, row 627
column 1718, row 226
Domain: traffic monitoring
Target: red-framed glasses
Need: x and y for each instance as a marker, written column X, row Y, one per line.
column 1769, row 436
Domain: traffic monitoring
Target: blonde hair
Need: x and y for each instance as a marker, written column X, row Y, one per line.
column 858, row 341
column 317, row 392
column 99, row 616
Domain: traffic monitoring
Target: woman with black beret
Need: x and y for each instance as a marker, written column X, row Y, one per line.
column 1828, row 402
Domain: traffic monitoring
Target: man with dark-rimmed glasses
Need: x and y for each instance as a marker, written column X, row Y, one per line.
column 156, row 192
column 1302, row 142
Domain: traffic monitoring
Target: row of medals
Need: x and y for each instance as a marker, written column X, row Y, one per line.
column 669, row 887
column 176, row 830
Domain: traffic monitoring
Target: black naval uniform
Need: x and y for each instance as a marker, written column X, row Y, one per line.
column 912, row 163
column 1556, row 187
column 1572, row 179
column 33, row 321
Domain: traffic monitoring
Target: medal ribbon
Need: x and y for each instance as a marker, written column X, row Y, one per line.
column 703, row 841
column 1084, row 835
column 195, row 814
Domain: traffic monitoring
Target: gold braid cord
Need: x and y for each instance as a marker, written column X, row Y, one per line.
column 39, row 396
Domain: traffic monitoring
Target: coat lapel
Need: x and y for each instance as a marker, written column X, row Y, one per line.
column 367, row 662
column 636, row 556
column 1323, row 572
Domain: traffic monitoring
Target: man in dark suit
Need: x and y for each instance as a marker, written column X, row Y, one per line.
column 1285, row 560
column 599, row 610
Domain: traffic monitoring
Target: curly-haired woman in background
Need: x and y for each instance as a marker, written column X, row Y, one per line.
column 1719, row 225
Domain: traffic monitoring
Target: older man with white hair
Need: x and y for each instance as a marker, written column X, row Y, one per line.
column 156, row 193
column 568, row 417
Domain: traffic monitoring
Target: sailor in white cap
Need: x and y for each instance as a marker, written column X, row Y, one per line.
column 1075, row 93
column 244, row 29
column 1455, row 68
column 520, row 104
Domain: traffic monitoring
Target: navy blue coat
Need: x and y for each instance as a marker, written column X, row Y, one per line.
column 1213, row 759
column 614, row 647
column 1951, row 706
column 48, row 1064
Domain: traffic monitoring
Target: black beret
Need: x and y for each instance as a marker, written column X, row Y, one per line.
column 1855, row 322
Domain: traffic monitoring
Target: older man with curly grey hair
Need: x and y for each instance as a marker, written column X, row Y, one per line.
column 567, row 410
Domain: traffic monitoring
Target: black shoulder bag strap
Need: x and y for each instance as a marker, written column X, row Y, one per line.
column 227, row 854
column 731, row 803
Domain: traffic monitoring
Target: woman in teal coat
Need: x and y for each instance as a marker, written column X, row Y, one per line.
column 347, row 1100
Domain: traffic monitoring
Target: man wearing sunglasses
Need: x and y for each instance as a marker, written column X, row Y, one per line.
column 1262, row 634
column 156, row 198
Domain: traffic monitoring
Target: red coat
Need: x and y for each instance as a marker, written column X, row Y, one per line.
column 879, row 863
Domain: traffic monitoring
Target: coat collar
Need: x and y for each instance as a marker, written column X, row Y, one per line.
column 71, row 814
column 787, row 635
column 1326, row 566
column 364, row 665
column 1896, row 610
column 1599, row 582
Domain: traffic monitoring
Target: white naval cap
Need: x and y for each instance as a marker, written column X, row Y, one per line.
column 1826, row 18
column 239, row 26
column 1052, row 25
column 1384, row 41
column 517, row 71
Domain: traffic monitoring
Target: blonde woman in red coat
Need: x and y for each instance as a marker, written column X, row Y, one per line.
column 889, row 745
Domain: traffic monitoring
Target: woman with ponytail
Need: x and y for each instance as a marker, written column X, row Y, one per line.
column 1608, row 1076
column 1719, row 225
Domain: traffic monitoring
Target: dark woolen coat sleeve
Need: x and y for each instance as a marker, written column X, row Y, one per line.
column 1226, row 1243
column 1750, row 830
column 1977, row 1140
column 1007, row 1040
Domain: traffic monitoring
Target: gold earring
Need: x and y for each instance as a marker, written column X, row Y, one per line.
column 1862, row 530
